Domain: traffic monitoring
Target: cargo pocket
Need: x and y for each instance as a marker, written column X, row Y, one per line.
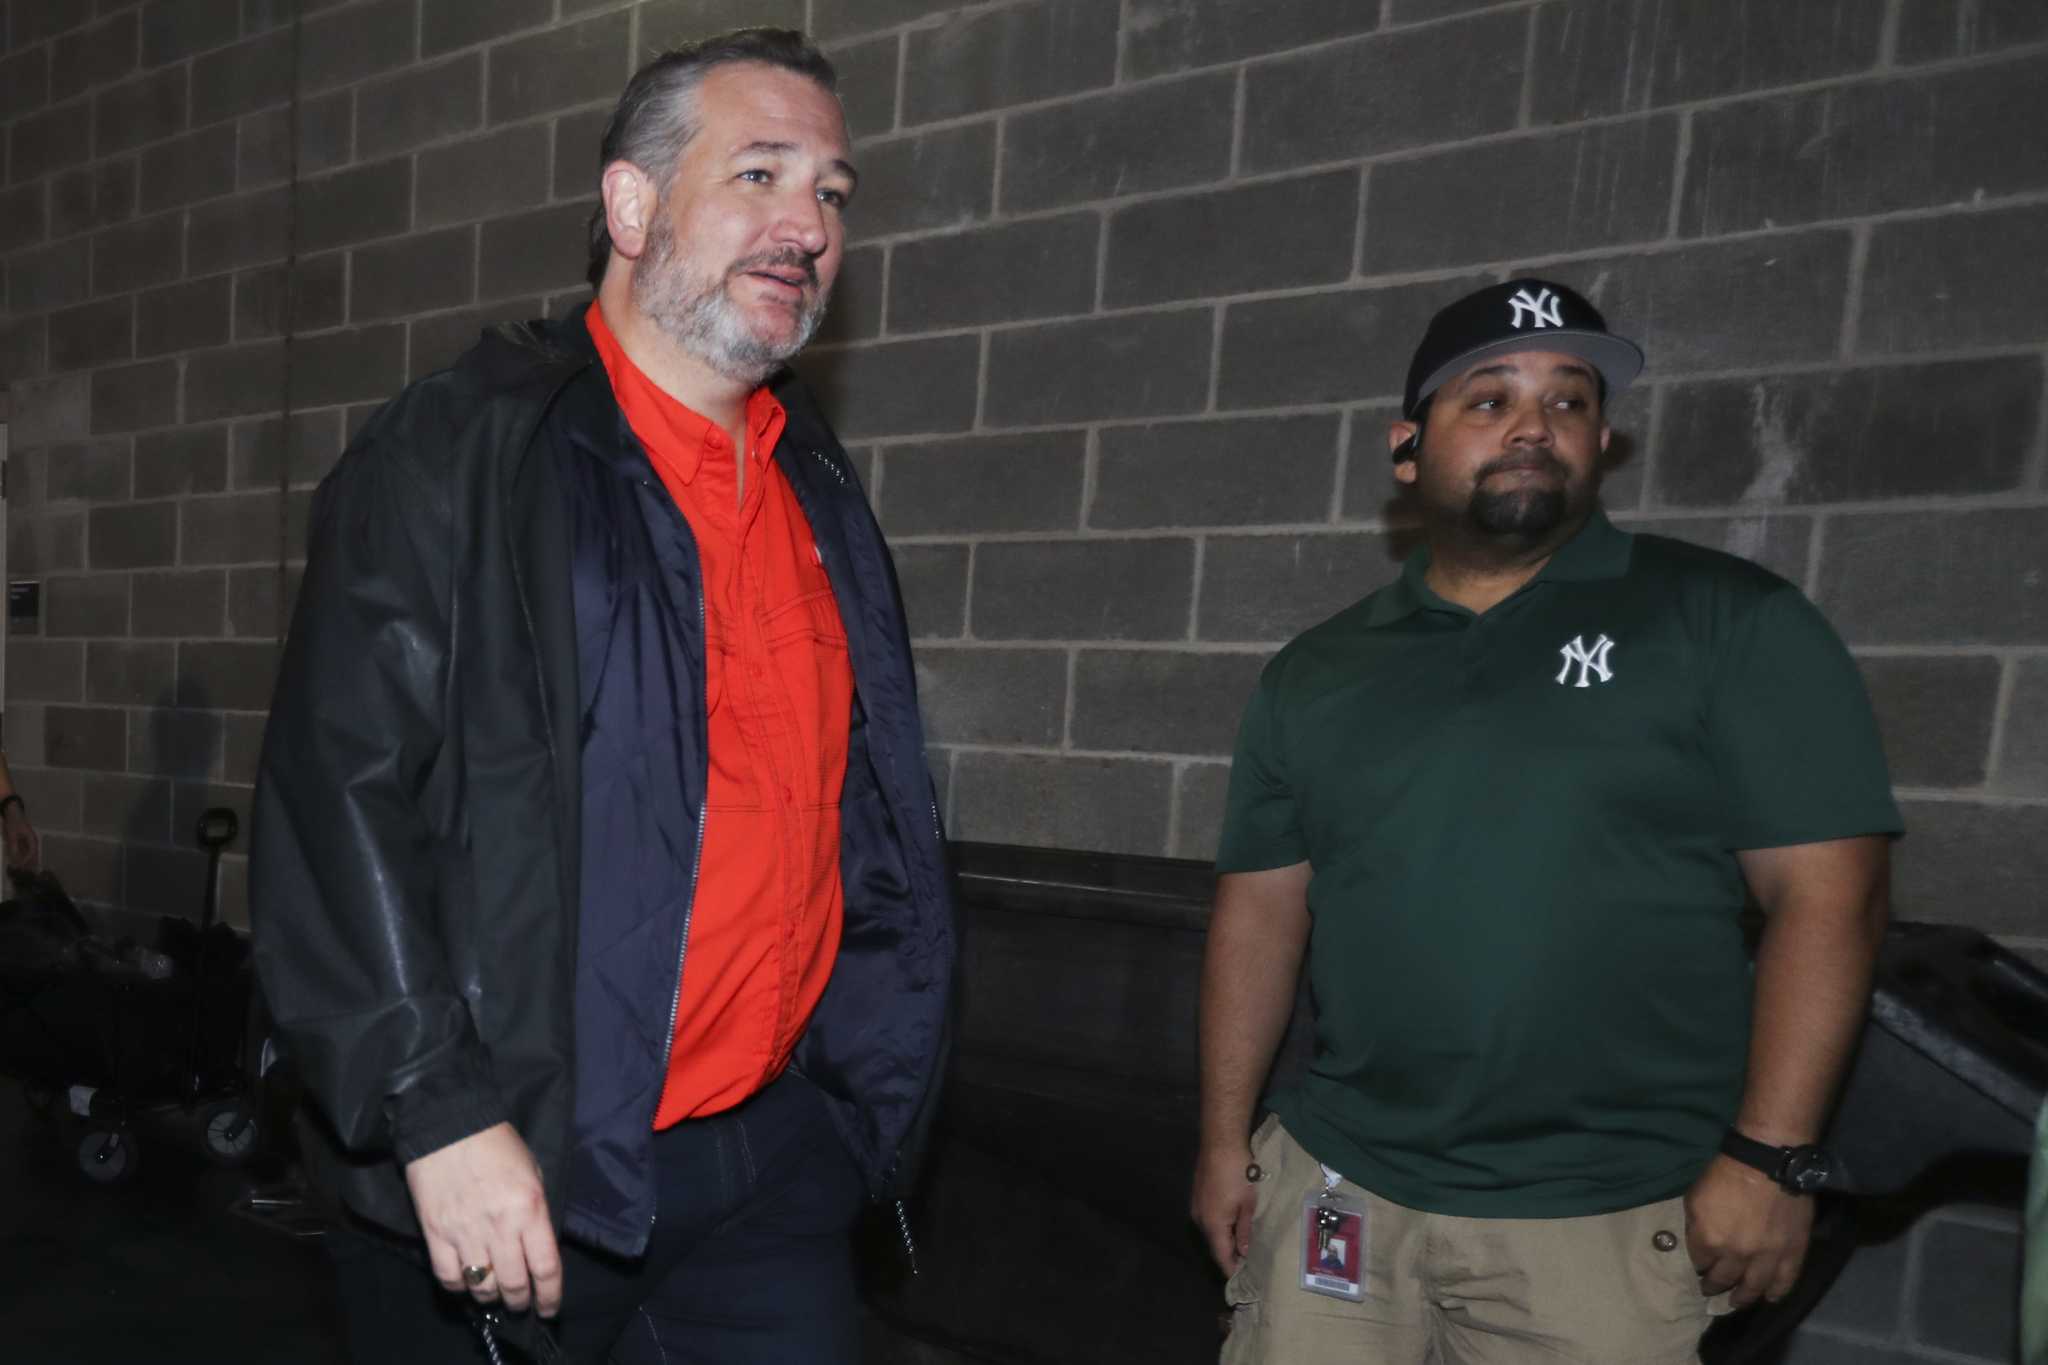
column 1244, row 1292
column 1244, row 1297
column 1658, row 1234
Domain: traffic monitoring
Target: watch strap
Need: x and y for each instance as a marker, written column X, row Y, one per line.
column 1750, row 1152
column 1775, row 1162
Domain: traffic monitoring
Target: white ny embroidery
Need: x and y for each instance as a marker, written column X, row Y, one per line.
column 1589, row 661
column 1542, row 309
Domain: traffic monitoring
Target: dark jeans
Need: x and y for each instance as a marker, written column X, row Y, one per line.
column 749, row 1262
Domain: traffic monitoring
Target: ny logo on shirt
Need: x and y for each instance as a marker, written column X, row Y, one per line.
column 1589, row 661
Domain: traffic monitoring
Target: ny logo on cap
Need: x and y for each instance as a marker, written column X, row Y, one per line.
column 1542, row 309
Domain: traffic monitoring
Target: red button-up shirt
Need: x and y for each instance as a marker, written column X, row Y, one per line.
column 765, row 926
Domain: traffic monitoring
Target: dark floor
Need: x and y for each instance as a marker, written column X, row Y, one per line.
column 156, row 1270
column 162, row 1268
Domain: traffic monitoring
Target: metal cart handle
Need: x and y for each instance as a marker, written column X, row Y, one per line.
column 217, row 828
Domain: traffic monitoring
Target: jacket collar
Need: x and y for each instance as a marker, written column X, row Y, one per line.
column 547, row 353
column 558, row 357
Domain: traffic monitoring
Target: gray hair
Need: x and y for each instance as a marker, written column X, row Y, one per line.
column 657, row 114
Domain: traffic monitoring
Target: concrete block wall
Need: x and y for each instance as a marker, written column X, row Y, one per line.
column 1133, row 287
column 1179, row 280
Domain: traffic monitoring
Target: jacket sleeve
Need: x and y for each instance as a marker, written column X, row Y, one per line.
column 356, row 818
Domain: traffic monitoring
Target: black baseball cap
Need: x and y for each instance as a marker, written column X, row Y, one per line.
column 1520, row 315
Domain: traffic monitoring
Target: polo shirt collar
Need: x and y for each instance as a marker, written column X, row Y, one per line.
column 1599, row 550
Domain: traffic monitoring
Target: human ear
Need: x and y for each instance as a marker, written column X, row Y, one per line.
column 1404, row 442
column 629, row 207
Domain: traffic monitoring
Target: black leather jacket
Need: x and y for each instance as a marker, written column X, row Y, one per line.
column 415, row 874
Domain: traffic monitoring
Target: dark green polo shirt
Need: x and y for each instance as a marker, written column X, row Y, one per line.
column 1531, row 993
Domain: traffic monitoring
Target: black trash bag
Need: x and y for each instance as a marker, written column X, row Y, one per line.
column 41, row 931
column 216, row 954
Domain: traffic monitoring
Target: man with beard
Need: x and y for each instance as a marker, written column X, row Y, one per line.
column 598, row 884
column 1509, row 808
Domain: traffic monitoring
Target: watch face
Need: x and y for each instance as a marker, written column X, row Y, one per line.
column 1806, row 1168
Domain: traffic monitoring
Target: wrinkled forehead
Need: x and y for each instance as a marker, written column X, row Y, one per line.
column 741, row 104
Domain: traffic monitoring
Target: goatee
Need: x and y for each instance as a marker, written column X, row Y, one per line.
column 699, row 315
column 1530, row 513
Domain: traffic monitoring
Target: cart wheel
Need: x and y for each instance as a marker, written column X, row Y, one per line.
column 107, row 1156
column 231, row 1132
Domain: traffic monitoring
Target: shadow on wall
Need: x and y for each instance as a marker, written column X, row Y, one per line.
column 163, row 869
column 832, row 377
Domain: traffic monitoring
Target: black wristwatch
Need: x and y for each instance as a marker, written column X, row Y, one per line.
column 1799, row 1170
column 12, row 799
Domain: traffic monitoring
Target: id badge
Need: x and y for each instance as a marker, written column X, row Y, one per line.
column 1333, row 1247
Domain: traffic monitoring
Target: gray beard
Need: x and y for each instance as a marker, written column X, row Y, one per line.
column 698, row 316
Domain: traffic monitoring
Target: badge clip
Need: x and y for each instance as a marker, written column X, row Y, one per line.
column 1333, row 1230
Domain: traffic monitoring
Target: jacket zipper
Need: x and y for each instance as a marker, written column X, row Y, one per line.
column 909, row 1245
column 902, row 1212
column 675, row 1003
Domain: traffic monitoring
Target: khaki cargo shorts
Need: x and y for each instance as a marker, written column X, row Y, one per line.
column 1613, row 1289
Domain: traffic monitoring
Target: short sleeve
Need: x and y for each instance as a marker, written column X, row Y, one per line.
column 1794, row 742
column 1261, row 819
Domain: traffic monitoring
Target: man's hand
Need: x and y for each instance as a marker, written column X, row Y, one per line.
column 1745, row 1233
column 480, row 1203
column 23, row 848
column 1222, row 1203
column 1258, row 933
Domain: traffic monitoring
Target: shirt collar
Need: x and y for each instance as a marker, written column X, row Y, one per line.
column 1597, row 550
column 674, row 432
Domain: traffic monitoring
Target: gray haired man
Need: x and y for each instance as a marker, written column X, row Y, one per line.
column 597, row 887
